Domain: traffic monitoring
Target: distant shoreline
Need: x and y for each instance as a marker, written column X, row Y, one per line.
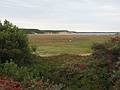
column 96, row 33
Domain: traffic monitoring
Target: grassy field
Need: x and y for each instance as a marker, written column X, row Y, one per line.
column 64, row 44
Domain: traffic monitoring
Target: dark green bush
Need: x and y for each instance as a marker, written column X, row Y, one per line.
column 12, row 70
column 13, row 44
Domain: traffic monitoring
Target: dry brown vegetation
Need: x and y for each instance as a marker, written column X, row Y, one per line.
column 48, row 45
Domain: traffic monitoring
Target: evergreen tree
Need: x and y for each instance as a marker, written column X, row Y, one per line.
column 13, row 44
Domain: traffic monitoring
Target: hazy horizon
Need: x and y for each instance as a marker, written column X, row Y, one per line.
column 72, row 15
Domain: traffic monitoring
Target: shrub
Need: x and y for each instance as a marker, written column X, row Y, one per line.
column 10, row 85
column 13, row 44
column 30, row 77
column 93, row 76
column 107, row 50
column 109, row 53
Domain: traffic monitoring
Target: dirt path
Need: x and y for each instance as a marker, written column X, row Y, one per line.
column 86, row 54
column 48, row 55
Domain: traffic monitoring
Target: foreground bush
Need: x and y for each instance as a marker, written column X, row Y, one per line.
column 30, row 78
column 41, row 76
column 10, row 85
column 109, row 52
column 13, row 44
column 82, row 76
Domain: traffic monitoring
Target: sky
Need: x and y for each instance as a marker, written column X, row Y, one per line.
column 73, row 15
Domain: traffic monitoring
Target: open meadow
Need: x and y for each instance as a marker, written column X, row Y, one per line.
column 65, row 44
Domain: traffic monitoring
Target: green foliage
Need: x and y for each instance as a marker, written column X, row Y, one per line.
column 97, row 75
column 31, row 77
column 18, row 73
column 13, row 44
column 94, row 77
column 22, row 74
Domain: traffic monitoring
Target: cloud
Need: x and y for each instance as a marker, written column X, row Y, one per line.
column 17, row 3
column 74, row 14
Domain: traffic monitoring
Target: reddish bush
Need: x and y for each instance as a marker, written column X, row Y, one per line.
column 82, row 66
column 115, row 39
column 9, row 85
